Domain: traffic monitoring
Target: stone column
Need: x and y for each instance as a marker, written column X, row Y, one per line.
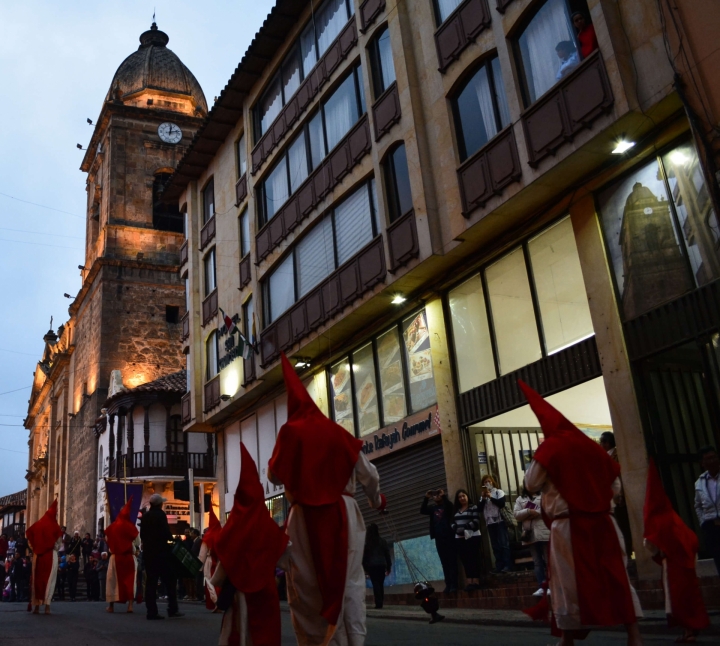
column 617, row 374
column 131, row 443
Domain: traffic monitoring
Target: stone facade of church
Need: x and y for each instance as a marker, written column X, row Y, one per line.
column 127, row 313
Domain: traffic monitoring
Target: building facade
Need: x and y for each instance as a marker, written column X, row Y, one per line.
column 12, row 514
column 127, row 313
column 421, row 202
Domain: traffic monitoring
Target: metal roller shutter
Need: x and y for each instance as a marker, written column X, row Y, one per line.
column 404, row 479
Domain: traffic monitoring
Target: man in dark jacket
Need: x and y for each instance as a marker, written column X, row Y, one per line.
column 441, row 514
column 156, row 538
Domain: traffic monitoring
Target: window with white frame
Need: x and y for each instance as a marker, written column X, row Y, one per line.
column 481, row 108
column 244, row 229
column 209, row 272
column 208, row 201
column 381, row 58
column 552, row 45
column 242, row 155
column 336, row 115
column 325, row 25
column 211, row 356
column 331, row 242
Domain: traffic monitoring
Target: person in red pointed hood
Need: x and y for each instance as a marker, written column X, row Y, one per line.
column 589, row 584
column 123, row 540
column 44, row 537
column 674, row 546
column 319, row 462
column 208, row 556
column 248, row 548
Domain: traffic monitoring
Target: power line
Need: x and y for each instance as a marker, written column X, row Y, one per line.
column 41, row 244
column 29, row 354
column 7, row 392
column 11, row 451
column 42, row 206
column 42, row 233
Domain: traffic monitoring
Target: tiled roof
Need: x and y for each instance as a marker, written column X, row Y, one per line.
column 18, row 499
column 173, row 383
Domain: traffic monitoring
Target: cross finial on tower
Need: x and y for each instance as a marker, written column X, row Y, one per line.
column 51, row 320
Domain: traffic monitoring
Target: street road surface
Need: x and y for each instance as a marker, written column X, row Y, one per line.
column 87, row 624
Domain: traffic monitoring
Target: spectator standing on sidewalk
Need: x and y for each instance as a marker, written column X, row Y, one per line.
column 535, row 533
column 156, row 544
column 707, row 501
column 466, row 525
column 21, row 544
column 441, row 514
column 61, row 577
column 491, row 502
column 101, row 567
column 376, row 562
column 86, row 547
column 74, row 546
column 73, row 571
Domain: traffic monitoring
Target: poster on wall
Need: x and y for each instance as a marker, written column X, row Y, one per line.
column 342, row 395
column 391, row 377
column 416, row 339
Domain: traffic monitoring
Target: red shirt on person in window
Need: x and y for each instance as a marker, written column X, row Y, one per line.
column 585, row 35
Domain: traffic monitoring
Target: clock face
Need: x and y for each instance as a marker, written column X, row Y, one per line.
column 169, row 132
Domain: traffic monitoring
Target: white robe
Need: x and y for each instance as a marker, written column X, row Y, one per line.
column 311, row 629
column 563, row 584
column 206, row 557
column 112, row 591
column 234, row 617
column 50, row 589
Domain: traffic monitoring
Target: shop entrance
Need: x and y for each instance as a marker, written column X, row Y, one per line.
column 503, row 453
column 681, row 388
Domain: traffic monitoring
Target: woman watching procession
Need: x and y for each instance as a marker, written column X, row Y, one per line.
column 122, row 539
column 44, row 537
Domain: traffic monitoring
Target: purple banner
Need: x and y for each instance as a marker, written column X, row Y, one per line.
column 116, row 498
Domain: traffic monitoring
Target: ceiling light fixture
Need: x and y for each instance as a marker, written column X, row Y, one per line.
column 398, row 299
column 622, row 146
column 226, row 397
column 302, row 362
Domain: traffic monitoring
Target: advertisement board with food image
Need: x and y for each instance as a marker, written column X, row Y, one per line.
column 341, row 386
column 416, row 342
column 392, row 384
column 366, row 390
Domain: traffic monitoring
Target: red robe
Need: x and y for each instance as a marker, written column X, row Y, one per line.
column 248, row 547
column 679, row 544
column 42, row 537
column 314, row 458
column 583, row 473
column 119, row 536
column 210, row 539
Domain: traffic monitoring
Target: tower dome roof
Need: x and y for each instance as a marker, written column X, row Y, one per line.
column 155, row 67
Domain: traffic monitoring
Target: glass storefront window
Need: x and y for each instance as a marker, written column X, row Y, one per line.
column 341, row 386
column 276, row 507
column 392, row 383
column 416, row 340
column 406, row 380
column 366, row 390
column 564, row 309
column 471, row 332
column 661, row 231
column 512, row 311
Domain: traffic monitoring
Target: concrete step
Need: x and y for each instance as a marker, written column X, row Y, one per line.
column 514, row 592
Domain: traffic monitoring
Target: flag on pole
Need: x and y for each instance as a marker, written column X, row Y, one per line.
column 247, row 349
column 437, row 418
column 229, row 323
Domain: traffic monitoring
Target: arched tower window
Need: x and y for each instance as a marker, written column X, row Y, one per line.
column 166, row 217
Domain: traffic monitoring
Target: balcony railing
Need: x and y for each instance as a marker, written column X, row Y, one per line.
column 210, row 307
column 185, row 326
column 163, row 463
column 186, row 408
column 207, row 233
column 184, row 253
